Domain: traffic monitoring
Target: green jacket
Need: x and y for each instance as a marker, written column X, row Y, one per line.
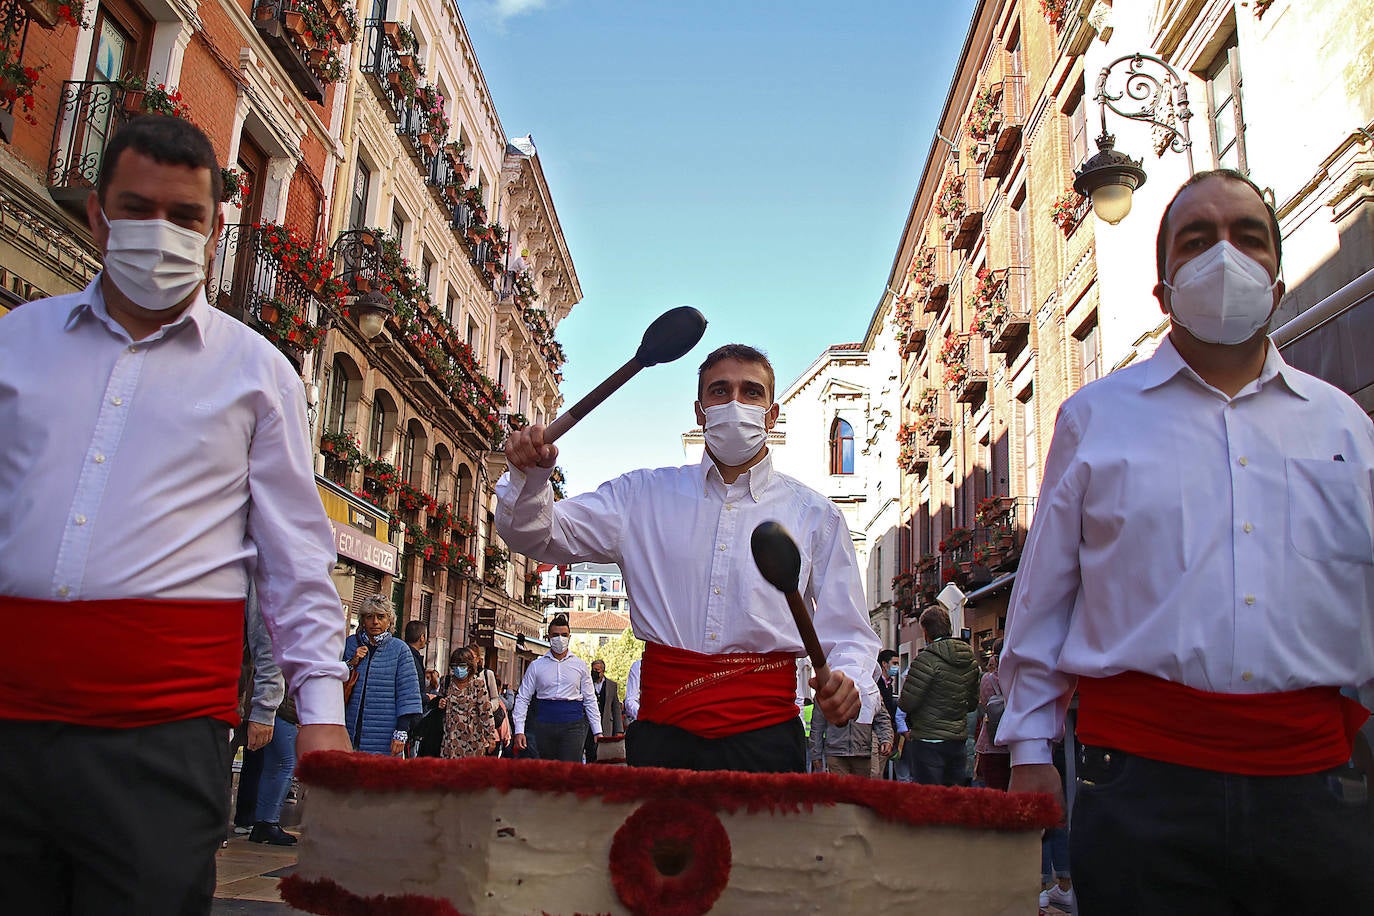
column 941, row 689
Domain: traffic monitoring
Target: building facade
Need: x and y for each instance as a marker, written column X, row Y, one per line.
column 1009, row 294
column 364, row 156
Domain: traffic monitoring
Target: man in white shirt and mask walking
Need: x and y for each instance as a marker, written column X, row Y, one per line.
column 1201, row 571
column 559, row 686
column 718, row 679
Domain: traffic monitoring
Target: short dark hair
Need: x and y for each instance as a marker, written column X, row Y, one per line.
column 598, row 661
column 886, row 655
column 559, row 620
column 935, row 622
column 166, row 139
column 745, row 354
column 1162, row 239
column 414, row 630
column 460, row 654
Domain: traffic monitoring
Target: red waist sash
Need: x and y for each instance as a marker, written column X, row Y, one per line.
column 714, row 696
column 123, row 663
column 1253, row 734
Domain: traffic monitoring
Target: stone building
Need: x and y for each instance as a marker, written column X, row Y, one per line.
column 371, row 168
column 1009, row 294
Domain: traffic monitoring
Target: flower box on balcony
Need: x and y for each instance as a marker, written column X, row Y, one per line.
column 133, row 101
column 343, row 26
column 451, row 194
column 362, row 284
column 392, row 30
column 407, row 63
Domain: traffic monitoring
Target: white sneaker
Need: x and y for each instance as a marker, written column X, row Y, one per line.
column 1060, row 897
column 242, row 831
column 1044, row 899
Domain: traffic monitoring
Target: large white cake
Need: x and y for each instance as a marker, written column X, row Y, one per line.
column 486, row 837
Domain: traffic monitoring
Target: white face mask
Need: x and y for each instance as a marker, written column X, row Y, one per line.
column 1222, row 296
column 559, row 644
column 735, row 432
column 155, row 263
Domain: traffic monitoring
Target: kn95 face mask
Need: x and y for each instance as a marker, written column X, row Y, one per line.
column 1223, row 296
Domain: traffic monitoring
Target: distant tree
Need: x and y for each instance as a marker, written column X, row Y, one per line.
column 618, row 654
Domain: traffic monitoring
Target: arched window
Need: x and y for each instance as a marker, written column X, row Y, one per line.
column 341, row 405
column 439, row 470
column 413, row 454
column 383, row 426
column 841, row 447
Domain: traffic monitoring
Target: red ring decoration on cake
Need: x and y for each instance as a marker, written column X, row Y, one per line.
column 670, row 858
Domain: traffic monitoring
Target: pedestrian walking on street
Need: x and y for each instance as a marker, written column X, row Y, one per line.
column 850, row 750
column 718, row 683
column 559, row 685
column 940, row 690
column 469, row 728
column 608, row 701
column 155, row 455
column 383, row 704
column 993, row 766
column 1201, row 572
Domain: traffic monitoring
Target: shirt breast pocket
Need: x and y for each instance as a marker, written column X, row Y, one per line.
column 1330, row 511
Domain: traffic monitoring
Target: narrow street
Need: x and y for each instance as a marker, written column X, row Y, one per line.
column 247, row 875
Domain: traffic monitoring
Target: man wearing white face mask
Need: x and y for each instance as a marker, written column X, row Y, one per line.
column 154, row 455
column 559, row 687
column 1201, row 571
column 718, row 679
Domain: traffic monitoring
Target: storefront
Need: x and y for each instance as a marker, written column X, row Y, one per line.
column 367, row 562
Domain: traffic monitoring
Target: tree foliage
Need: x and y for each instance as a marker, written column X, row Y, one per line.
column 619, row 653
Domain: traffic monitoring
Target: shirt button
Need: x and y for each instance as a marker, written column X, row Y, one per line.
column 1244, row 461
column 1247, row 676
column 722, row 546
column 63, row 592
column 117, row 401
column 716, row 590
column 80, row 520
column 133, row 349
column 99, row 458
column 1249, row 599
column 1247, row 527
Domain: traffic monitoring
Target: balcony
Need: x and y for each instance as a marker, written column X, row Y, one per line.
column 913, row 458
column 250, row 281
column 1006, row 139
column 969, row 222
column 936, row 416
column 938, row 285
column 916, row 331
column 447, row 172
column 89, row 112
column 381, row 63
column 1009, row 321
column 993, row 546
column 413, row 126
column 973, row 387
column 929, row 579
column 298, row 35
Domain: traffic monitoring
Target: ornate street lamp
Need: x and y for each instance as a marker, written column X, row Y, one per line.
column 373, row 309
column 1110, row 177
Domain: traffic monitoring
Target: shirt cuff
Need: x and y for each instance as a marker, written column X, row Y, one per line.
column 319, row 701
column 1034, row 751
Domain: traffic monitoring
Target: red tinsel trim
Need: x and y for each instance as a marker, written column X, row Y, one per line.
column 686, row 825
column 936, row 806
column 321, row 895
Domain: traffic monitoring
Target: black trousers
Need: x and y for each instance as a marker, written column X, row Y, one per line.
column 777, row 748
column 111, row 821
column 559, row 740
column 1149, row 838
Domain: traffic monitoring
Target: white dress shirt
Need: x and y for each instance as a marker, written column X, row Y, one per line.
column 1226, row 544
column 681, row 536
column 170, row 467
column 631, row 704
column 549, row 678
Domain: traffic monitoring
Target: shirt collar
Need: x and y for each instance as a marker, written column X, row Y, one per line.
column 758, row 477
column 91, row 301
column 1167, row 363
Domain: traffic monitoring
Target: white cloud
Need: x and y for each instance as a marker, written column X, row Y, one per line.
column 507, row 9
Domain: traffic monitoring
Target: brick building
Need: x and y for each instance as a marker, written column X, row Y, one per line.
column 371, row 160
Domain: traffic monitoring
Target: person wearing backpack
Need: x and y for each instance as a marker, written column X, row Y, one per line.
column 994, row 760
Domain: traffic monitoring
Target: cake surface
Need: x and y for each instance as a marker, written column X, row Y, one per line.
column 488, row 836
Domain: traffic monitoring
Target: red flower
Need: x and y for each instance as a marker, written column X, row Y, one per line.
column 670, row 858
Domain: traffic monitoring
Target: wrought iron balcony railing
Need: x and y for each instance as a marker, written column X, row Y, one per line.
column 284, row 30
column 249, row 280
column 89, row 112
column 382, row 61
column 358, row 258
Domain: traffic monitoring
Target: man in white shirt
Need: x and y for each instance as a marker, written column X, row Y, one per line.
column 154, row 454
column 718, row 679
column 1201, row 571
column 560, row 687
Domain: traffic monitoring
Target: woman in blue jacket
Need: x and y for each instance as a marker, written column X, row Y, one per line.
column 384, row 697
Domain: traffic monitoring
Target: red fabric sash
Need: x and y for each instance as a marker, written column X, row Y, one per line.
column 714, row 696
column 123, row 663
column 1252, row 734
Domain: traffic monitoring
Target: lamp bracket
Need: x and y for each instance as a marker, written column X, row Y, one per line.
column 1151, row 92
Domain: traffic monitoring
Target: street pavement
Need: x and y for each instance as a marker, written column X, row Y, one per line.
column 247, row 875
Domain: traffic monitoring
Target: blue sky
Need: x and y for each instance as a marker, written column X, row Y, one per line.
column 755, row 160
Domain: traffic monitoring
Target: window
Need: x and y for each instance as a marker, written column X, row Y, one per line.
column 1089, row 353
column 503, row 370
column 427, row 273
column 398, row 228
column 342, row 394
column 1078, row 127
column 413, row 454
column 1224, row 109
column 524, row 400
column 383, row 423
column 474, row 336
column 841, row 447
column 451, row 313
column 1031, row 449
column 357, row 207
